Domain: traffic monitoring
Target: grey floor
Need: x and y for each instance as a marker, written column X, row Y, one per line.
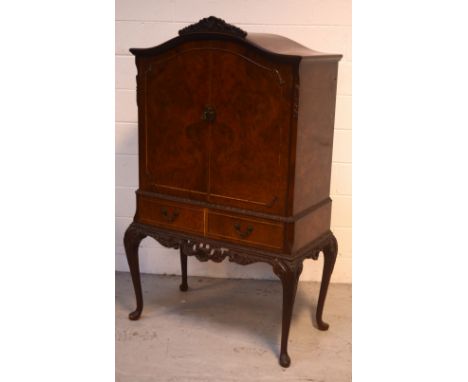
column 228, row 330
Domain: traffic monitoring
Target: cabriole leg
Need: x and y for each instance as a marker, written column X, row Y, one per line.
column 289, row 275
column 132, row 239
column 329, row 251
column 183, row 265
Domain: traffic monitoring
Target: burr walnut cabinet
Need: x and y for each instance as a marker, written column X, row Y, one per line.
column 235, row 150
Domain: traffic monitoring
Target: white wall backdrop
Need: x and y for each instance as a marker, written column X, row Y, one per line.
column 323, row 25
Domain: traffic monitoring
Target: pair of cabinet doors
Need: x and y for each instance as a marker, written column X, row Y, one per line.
column 214, row 125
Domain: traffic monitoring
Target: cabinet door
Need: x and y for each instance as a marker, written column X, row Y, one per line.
column 250, row 135
column 174, row 138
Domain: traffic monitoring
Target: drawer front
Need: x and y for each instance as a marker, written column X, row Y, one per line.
column 254, row 232
column 173, row 215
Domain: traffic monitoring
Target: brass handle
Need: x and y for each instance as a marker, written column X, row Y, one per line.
column 243, row 234
column 209, row 114
column 170, row 218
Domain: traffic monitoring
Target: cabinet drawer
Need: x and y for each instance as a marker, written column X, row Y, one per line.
column 173, row 215
column 256, row 232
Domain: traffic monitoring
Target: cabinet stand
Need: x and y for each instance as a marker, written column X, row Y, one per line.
column 287, row 269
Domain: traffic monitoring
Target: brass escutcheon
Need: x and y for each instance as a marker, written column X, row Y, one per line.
column 209, row 114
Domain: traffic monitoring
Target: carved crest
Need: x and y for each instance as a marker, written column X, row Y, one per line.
column 213, row 25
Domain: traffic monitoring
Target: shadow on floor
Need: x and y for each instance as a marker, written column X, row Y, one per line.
column 223, row 302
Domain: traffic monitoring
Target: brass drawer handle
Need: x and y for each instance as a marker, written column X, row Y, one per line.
column 243, row 234
column 170, row 218
column 209, row 114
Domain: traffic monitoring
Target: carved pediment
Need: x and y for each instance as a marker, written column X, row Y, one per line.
column 213, row 24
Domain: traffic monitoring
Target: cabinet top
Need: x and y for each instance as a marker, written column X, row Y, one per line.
column 214, row 28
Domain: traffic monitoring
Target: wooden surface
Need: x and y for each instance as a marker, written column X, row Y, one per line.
column 268, row 147
column 246, row 230
column 163, row 213
column 316, row 115
column 241, row 158
column 235, row 145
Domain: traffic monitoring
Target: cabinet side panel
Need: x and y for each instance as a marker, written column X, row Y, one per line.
column 312, row 226
column 314, row 143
